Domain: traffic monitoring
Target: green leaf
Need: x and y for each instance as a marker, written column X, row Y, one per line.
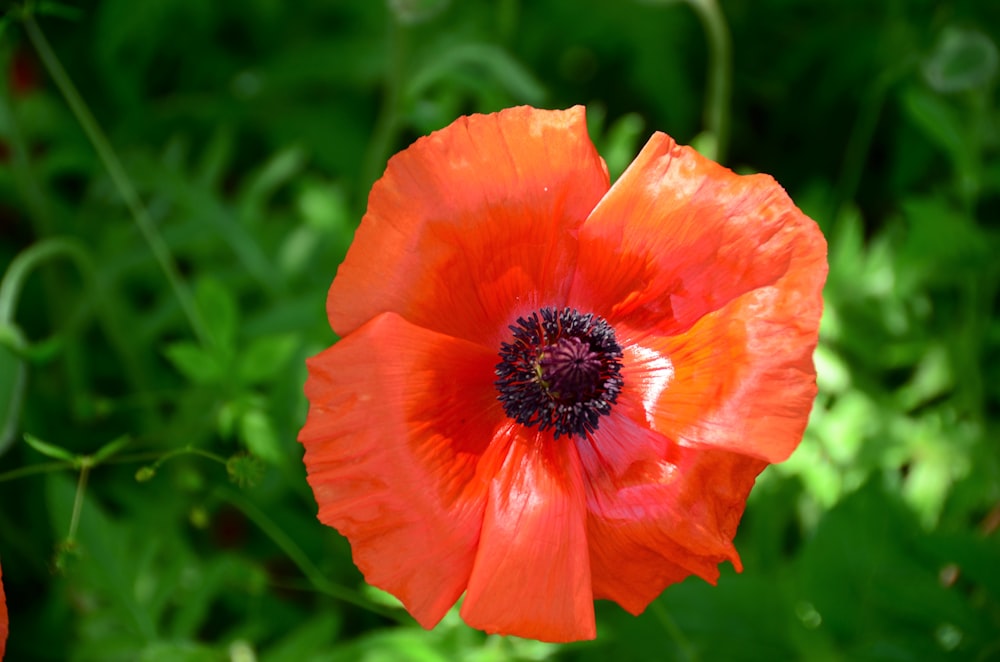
column 485, row 60
column 257, row 433
column 50, row 450
column 622, row 143
column 869, row 585
column 198, row 365
column 938, row 120
column 309, row 640
column 111, row 448
column 218, row 309
column 184, row 651
column 265, row 357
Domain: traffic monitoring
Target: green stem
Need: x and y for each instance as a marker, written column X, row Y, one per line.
column 676, row 634
column 718, row 90
column 81, row 490
column 43, row 468
column 117, row 173
column 387, row 122
column 29, row 259
column 302, row 560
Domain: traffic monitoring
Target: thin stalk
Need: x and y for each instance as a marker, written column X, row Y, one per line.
column 302, row 560
column 387, row 122
column 81, row 490
column 29, row 259
column 718, row 91
column 676, row 634
column 117, row 173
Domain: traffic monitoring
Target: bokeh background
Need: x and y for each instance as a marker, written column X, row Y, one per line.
column 179, row 180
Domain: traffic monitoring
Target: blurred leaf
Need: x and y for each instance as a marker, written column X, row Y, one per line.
column 111, row 448
column 219, row 312
column 162, row 651
column 216, row 158
column 483, row 59
column 833, row 374
column 50, row 450
column 942, row 244
column 621, row 143
column 872, row 588
column 195, row 363
column 323, row 206
column 938, row 120
column 264, row 357
column 60, row 9
column 932, row 378
column 257, row 432
column 262, row 184
column 310, row 641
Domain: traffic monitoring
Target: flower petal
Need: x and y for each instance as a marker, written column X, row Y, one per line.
column 679, row 236
column 658, row 511
column 744, row 379
column 679, row 519
column 473, row 225
column 399, row 419
column 532, row 576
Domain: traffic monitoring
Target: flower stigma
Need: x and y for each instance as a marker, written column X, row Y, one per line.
column 562, row 370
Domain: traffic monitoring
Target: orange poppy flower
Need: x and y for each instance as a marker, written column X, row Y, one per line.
column 3, row 618
column 549, row 389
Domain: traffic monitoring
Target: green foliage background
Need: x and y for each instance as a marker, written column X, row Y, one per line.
column 168, row 245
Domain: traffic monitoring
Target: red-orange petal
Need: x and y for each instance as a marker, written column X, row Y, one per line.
column 744, row 379
column 474, row 225
column 658, row 511
column 679, row 236
column 399, row 419
column 532, row 574
column 672, row 519
column 3, row 618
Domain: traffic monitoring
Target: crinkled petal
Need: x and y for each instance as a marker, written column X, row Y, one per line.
column 679, row 236
column 679, row 520
column 532, row 574
column 3, row 618
column 657, row 511
column 399, row 419
column 473, row 225
column 744, row 379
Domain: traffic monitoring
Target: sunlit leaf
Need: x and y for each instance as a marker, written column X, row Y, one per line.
column 49, row 450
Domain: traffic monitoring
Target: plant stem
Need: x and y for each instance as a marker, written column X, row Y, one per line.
column 676, row 634
column 718, row 90
column 302, row 560
column 387, row 123
column 81, row 490
column 117, row 173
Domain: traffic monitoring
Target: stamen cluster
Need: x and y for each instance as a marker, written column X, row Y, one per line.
column 562, row 370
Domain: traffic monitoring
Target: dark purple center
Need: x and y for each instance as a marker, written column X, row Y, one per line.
column 562, row 370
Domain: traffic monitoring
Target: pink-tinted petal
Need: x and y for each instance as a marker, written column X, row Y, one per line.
column 658, row 511
column 679, row 236
column 399, row 419
column 678, row 519
column 532, row 575
column 473, row 225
